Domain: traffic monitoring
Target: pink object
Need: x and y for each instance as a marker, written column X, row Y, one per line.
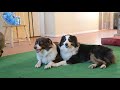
column 115, row 41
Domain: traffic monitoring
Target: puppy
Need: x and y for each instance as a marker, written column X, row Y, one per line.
column 2, row 43
column 73, row 52
column 69, row 48
column 46, row 52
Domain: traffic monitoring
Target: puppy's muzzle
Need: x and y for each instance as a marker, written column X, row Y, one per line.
column 35, row 47
column 1, row 51
column 66, row 45
column 37, row 50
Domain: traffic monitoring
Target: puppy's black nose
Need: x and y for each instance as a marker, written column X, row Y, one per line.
column 1, row 51
column 66, row 44
column 35, row 47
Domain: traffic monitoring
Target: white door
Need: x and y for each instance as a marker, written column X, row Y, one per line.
column 36, row 23
column 106, row 21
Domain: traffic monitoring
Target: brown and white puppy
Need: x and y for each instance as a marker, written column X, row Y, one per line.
column 46, row 52
column 2, row 43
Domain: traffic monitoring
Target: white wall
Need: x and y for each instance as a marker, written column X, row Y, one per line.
column 59, row 23
column 36, row 23
column 76, row 22
column 49, row 24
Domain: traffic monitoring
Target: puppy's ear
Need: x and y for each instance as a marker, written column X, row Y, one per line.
column 36, row 41
column 62, row 40
column 75, row 41
column 49, row 42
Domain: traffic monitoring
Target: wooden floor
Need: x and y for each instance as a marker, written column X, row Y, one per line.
column 87, row 38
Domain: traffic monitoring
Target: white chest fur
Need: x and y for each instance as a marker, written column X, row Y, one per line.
column 67, row 53
column 46, row 56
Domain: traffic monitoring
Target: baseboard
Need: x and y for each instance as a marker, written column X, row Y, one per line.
column 48, row 35
column 75, row 33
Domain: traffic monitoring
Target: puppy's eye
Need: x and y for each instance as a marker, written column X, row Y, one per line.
column 69, row 40
column 40, row 43
column 36, row 42
column 63, row 39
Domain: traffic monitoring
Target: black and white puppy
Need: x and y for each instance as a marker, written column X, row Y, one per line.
column 73, row 52
column 69, row 48
column 46, row 52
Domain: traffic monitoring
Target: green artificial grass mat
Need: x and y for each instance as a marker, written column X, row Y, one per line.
column 22, row 66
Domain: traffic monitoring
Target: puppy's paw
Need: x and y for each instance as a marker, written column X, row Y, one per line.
column 93, row 66
column 103, row 66
column 47, row 66
column 38, row 65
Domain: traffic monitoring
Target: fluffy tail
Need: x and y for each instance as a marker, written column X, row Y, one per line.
column 110, row 58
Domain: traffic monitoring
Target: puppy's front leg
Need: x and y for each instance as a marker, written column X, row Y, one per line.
column 61, row 63
column 39, row 61
column 38, row 64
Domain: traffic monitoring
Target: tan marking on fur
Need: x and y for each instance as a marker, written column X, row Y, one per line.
column 96, row 62
column 93, row 58
column 101, row 61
